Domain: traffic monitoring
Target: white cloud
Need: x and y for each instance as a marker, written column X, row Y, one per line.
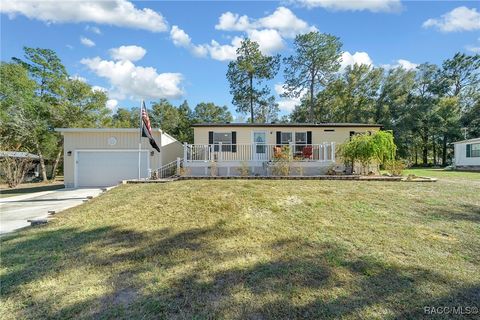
column 226, row 52
column 131, row 53
column 473, row 49
column 180, row 38
column 120, row 13
column 87, row 42
column 286, row 22
column 286, row 104
column 407, row 65
column 78, row 78
column 282, row 20
column 129, row 80
column 269, row 40
column 359, row 58
column 112, row 104
column 354, row 5
column 459, row 19
column 69, row 46
column 98, row 88
column 229, row 21
column 400, row 63
column 269, row 32
column 93, row 29
column 216, row 51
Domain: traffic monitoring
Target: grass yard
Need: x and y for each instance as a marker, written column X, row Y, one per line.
column 252, row 249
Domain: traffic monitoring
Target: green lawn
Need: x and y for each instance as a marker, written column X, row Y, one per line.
column 252, row 249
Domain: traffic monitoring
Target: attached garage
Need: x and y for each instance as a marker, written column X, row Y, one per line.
column 103, row 157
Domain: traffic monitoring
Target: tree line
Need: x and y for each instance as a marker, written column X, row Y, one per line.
column 38, row 95
column 427, row 107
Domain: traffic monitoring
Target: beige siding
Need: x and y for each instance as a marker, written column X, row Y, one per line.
column 74, row 141
column 319, row 135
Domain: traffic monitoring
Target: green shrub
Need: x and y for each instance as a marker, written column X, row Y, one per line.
column 365, row 149
column 395, row 167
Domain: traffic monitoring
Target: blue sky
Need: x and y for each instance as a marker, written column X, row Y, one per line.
column 180, row 49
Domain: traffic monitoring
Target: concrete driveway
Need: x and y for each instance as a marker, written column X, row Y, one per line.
column 15, row 211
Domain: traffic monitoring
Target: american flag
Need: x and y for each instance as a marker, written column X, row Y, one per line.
column 147, row 129
column 146, row 119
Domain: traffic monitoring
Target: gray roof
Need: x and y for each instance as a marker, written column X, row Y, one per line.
column 18, row 154
column 273, row 124
column 102, row 129
column 469, row 140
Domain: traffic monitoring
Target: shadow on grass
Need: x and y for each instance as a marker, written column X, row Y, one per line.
column 462, row 212
column 20, row 191
column 300, row 280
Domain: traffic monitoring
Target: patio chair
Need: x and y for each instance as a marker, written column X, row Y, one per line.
column 307, row 152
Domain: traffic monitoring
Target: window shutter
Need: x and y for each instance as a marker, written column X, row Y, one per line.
column 279, row 137
column 309, row 137
column 469, row 150
column 210, row 137
column 234, row 141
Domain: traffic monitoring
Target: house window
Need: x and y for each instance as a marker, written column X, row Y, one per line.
column 300, row 141
column 223, row 137
column 286, row 138
column 473, row 150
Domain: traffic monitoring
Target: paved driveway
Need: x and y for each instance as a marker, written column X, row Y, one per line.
column 15, row 211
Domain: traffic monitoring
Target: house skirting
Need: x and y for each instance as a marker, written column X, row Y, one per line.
column 258, row 168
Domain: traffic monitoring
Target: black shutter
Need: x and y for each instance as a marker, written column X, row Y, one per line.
column 469, row 150
column 309, row 137
column 210, row 137
column 210, row 140
column 279, row 137
column 234, row 141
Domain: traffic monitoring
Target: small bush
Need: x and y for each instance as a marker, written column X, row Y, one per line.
column 244, row 169
column 395, row 167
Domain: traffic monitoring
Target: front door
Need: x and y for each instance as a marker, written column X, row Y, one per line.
column 259, row 145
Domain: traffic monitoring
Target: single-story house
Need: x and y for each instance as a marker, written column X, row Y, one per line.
column 467, row 154
column 95, row 157
column 232, row 148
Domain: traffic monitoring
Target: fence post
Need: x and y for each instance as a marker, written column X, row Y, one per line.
column 178, row 165
column 290, row 146
column 219, row 151
column 333, row 151
column 185, row 151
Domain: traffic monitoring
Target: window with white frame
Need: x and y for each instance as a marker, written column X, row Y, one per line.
column 225, row 138
column 300, row 141
column 473, row 150
column 286, row 138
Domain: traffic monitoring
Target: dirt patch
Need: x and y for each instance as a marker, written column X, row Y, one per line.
column 290, row 201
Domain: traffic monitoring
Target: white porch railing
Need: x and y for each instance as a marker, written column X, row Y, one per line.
column 258, row 152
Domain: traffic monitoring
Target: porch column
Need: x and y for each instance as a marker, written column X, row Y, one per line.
column 332, row 145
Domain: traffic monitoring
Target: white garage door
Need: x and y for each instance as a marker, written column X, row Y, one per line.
column 108, row 168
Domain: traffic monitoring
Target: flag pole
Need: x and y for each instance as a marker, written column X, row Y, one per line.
column 140, row 142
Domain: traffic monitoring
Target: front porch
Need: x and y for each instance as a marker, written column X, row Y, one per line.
column 258, row 159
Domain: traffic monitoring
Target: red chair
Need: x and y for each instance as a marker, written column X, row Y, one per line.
column 307, row 152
